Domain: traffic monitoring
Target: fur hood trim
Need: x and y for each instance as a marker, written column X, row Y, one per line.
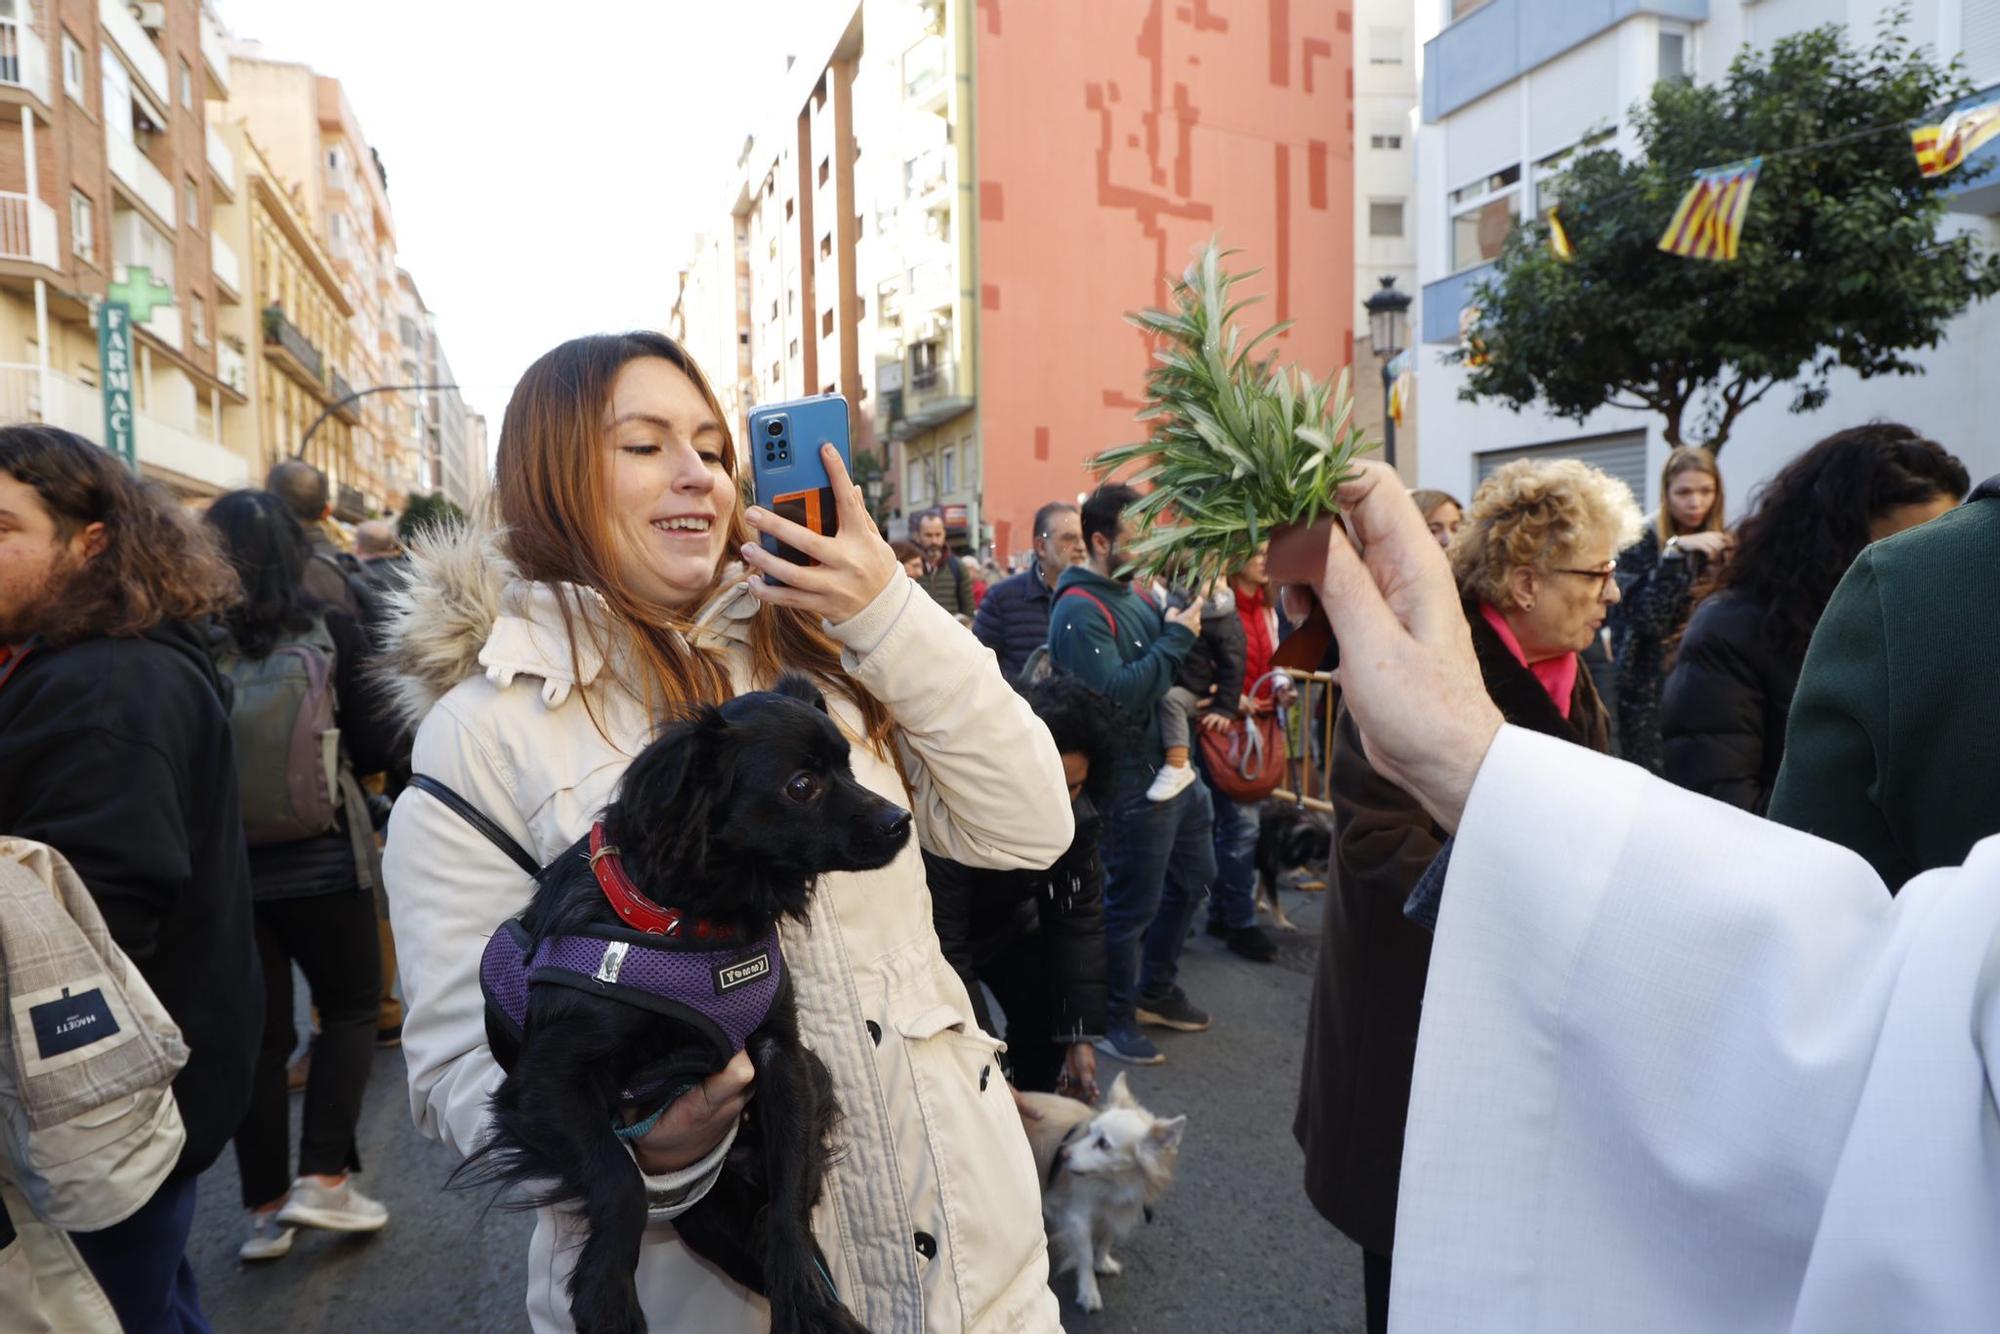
column 465, row 611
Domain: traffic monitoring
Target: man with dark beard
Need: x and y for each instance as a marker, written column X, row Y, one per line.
column 115, row 750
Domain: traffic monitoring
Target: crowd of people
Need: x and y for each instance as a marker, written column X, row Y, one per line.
column 216, row 721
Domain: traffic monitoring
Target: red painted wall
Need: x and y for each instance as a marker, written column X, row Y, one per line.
column 1113, row 138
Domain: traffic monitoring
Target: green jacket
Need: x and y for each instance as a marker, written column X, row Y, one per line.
column 1133, row 668
column 949, row 587
column 1893, row 733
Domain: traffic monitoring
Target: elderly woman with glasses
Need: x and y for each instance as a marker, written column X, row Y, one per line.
column 1535, row 562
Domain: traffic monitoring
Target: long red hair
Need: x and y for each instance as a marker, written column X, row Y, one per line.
column 553, row 492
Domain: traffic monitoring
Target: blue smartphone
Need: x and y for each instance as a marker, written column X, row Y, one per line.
column 791, row 480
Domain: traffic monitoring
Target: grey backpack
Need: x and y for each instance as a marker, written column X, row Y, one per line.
column 287, row 746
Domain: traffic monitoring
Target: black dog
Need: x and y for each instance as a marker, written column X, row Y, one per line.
column 647, row 958
column 1288, row 837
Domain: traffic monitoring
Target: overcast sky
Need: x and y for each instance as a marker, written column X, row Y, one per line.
column 548, row 163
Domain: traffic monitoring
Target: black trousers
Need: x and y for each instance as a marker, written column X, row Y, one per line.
column 1019, row 977
column 332, row 939
column 1375, row 1272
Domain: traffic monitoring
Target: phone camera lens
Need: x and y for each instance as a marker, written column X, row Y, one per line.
column 775, row 428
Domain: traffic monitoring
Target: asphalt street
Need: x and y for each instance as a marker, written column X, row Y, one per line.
column 1234, row 1247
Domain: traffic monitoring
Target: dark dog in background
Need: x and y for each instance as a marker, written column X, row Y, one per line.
column 1289, row 838
column 718, row 829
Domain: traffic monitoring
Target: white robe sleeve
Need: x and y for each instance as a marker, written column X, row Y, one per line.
column 987, row 783
column 1682, row 1069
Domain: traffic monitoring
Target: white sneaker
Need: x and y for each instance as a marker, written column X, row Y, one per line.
column 1170, row 782
column 340, row 1208
column 269, row 1238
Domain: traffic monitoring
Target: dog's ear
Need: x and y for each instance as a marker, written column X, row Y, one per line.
column 1121, row 1094
column 673, row 777
column 795, row 685
column 1164, row 1135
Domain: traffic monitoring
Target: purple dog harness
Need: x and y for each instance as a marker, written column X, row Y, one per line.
column 688, row 969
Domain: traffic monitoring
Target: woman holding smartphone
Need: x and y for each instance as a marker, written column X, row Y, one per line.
column 625, row 580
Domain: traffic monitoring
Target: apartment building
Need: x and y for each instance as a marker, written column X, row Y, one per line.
column 441, row 417
column 1385, row 188
column 1512, row 88
column 108, row 177
column 955, row 205
column 711, row 313
column 310, row 134
column 287, row 343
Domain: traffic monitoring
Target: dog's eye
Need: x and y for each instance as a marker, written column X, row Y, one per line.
column 803, row 787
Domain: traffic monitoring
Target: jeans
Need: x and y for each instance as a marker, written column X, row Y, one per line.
column 1159, row 857
column 1020, row 981
column 142, row 1265
column 333, row 939
column 1235, row 901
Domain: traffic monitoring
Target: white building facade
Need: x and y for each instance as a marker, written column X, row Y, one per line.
column 1385, row 193
column 1511, row 88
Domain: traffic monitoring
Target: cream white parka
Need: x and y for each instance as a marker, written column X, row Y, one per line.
column 931, row 1218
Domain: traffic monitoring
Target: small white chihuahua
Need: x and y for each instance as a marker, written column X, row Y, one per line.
column 1102, row 1172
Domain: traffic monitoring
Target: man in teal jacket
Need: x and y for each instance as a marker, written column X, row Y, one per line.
column 1158, row 856
column 1894, row 731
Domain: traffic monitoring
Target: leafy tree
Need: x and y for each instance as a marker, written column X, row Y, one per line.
column 421, row 512
column 1840, row 263
column 869, row 466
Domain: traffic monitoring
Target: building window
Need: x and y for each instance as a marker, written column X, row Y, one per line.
column 825, row 167
column 774, row 310
column 1385, row 218
column 187, row 85
column 792, row 348
column 198, row 320
column 1548, row 171
column 788, row 210
column 191, row 201
column 82, row 226
column 1460, row 8
column 948, row 470
column 1482, row 213
column 913, row 482
column 1391, row 141
column 1676, row 54
column 826, row 324
column 826, row 246
column 73, row 68
column 1385, row 46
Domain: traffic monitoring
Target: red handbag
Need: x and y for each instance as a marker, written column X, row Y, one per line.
column 1246, row 760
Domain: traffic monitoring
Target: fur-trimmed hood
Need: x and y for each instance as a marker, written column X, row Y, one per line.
column 465, row 611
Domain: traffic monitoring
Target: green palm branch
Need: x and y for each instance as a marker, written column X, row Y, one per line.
column 1239, row 445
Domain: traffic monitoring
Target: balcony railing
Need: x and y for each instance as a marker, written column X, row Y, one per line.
column 136, row 172
column 115, row 18
column 165, row 325
column 221, row 162
column 24, row 61
column 28, row 230
column 76, row 406
column 287, row 340
column 215, row 54
column 345, row 405
column 222, row 259
column 932, row 394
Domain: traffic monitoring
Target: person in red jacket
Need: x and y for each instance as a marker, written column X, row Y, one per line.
column 1232, row 907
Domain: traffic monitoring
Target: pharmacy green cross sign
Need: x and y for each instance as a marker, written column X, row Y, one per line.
column 132, row 300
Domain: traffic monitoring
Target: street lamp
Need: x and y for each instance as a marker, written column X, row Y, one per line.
column 1386, row 311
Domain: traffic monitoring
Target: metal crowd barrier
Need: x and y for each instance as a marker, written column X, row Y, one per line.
column 1308, row 728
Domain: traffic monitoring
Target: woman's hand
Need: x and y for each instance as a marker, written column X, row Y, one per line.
column 1214, row 722
column 855, row 564
column 1079, row 1073
column 1406, row 661
column 697, row 1121
column 1713, row 546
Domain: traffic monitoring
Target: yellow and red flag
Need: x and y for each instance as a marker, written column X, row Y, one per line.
column 1943, row 146
column 1559, row 245
column 1709, row 221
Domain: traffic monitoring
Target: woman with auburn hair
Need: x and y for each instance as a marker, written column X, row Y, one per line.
column 1534, row 565
column 1657, row 576
column 624, row 582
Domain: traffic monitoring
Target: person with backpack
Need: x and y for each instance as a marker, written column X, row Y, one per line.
column 115, row 750
column 303, row 704
column 1158, row 856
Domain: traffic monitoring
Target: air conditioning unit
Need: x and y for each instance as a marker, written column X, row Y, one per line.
column 151, row 14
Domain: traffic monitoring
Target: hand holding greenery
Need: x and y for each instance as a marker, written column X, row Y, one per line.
column 1240, row 446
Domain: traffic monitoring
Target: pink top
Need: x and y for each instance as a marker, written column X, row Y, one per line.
column 1557, row 675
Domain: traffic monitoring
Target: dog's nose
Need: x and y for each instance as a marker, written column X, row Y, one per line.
column 893, row 825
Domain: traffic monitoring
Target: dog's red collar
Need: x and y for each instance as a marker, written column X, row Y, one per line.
column 635, row 909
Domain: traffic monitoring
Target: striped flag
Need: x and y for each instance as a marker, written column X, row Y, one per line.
column 1559, row 245
column 1941, row 147
column 1709, row 221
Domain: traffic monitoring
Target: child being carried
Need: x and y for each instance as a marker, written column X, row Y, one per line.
column 1210, row 682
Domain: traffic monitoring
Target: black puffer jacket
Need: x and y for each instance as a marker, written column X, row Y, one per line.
column 1656, row 588
column 1217, row 660
column 981, row 913
column 1726, row 702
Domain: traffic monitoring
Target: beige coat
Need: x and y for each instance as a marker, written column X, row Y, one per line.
column 931, row 1219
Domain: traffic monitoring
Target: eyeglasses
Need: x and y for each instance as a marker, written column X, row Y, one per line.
column 1604, row 576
